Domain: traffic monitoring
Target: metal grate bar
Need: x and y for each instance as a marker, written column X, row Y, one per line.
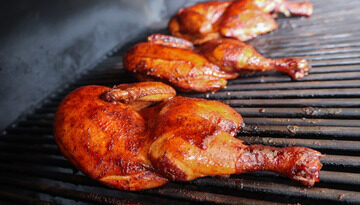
column 336, row 69
column 301, row 93
column 315, row 132
column 295, row 85
column 301, row 122
column 316, row 53
column 276, row 37
column 31, row 131
column 21, row 199
column 351, row 61
column 28, row 139
column 205, row 197
column 309, row 112
column 312, row 143
column 67, row 193
column 25, row 148
column 305, row 103
column 35, row 159
column 280, row 189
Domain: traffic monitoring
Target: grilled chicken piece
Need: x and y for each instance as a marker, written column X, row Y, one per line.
column 244, row 20
column 109, row 135
column 198, row 23
column 100, row 131
column 207, row 68
column 241, row 19
column 233, row 56
column 172, row 60
column 286, row 8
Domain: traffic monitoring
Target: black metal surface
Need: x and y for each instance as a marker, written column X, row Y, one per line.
column 321, row 111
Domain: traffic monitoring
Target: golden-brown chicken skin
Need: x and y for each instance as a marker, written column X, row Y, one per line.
column 240, row 19
column 100, row 131
column 206, row 68
column 195, row 138
column 175, row 64
column 111, row 136
column 233, row 56
column 287, row 8
column 198, row 23
column 244, row 20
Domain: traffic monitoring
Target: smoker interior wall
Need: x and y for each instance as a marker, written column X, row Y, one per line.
column 46, row 43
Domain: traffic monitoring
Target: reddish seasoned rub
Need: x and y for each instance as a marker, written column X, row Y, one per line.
column 299, row 8
column 173, row 62
column 112, row 136
column 198, row 23
column 234, row 56
column 240, row 19
column 244, row 20
column 206, row 68
column 100, row 131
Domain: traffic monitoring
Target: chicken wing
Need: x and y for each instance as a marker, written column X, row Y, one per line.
column 111, row 136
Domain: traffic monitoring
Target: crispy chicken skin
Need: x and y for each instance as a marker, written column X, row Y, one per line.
column 198, row 23
column 100, row 131
column 241, row 19
column 232, row 56
column 175, row 64
column 244, row 20
column 206, row 68
column 112, row 136
column 286, row 8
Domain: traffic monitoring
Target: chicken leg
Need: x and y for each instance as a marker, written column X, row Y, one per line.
column 110, row 136
column 233, row 56
column 206, row 68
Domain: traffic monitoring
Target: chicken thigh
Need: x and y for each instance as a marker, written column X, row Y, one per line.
column 172, row 60
column 112, row 136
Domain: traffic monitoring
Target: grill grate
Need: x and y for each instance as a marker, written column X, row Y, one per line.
column 321, row 111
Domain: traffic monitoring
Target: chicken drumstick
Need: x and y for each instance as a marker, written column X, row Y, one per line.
column 233, row 56
column 111, row 136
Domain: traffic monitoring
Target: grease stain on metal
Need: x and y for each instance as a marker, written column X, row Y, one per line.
column 292, row 128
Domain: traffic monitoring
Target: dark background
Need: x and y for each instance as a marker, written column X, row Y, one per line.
column 45, row 44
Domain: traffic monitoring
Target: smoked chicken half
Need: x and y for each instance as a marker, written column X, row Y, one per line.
column 113, row 136
column 206, row 68
column 240, row 19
